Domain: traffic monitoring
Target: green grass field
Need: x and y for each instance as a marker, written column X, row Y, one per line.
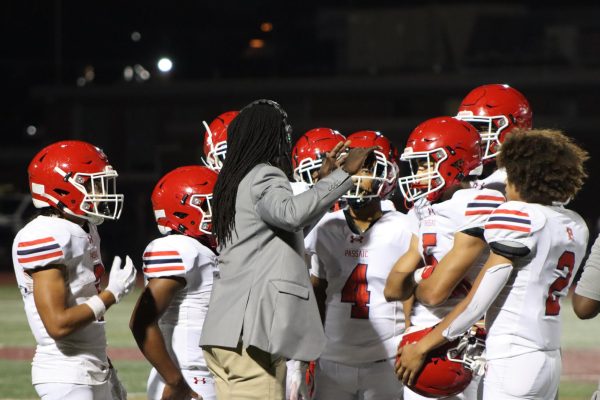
column 15, row 381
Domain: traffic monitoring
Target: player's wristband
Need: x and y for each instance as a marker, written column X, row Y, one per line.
column 97, row 306
column 422, row 273
column 418, row 275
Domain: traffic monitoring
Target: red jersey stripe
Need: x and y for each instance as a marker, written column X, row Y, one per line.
column 163, row 269
column 478, row 212
column 511, row 212
column 508, row 227
column 58, row 253
column 160, row 253
column 37, row 241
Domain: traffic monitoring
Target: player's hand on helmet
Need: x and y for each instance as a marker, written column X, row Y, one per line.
column 298, row 386
column 409, row 362
column 121, row 280
column 356, row 158
column 331, row 160
column 179, row 391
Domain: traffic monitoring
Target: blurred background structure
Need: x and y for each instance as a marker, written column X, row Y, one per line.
column 138, row 78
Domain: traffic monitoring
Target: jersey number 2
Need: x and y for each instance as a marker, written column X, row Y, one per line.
column 355, row 292
column 566, row 260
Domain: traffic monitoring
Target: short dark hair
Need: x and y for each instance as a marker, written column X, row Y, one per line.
column 260, row 133
column 544, row 165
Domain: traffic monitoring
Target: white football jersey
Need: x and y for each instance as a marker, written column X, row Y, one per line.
column 181, row 324
column 466, row 210
column 299, row 187
column 360, row 325
column 496, row 181
column 525, row 316
column 387, row 205
column 81, row 356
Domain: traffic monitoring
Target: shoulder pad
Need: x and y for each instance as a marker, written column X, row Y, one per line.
column 164, row 257
column 40, row 245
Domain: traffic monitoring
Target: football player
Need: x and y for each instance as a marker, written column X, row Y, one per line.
column 586, row 299
column 355, row 249
column 444, row 156
column 495, row 110
column 537, row 246
column 215, row 140
column 309, row 151
column 178, row 267
column 308, row 155
column 57, row 263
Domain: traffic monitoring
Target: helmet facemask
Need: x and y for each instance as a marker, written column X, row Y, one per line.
column 202, row 202
column 469, row 350
column 307, row 169
column 425, row 177
column 216, row 155
column 490, row 129
column 377, row 171
column 100, row 198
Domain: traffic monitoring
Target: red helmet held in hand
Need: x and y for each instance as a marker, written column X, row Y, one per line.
column 448, row 370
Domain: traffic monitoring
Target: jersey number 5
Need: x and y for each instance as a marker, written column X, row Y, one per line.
column 355, row 292
column 565, row 261
column 429, row 242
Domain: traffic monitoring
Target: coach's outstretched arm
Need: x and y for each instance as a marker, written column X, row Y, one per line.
column 277, row 206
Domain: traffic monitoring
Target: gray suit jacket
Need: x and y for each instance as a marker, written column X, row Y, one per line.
column 264, row 292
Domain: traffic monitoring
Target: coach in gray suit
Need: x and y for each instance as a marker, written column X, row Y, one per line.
column 262, row 308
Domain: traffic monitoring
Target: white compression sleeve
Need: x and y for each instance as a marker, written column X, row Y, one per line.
column 492, row 283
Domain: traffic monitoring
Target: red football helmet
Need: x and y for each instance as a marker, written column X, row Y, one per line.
column 181, row 201
column 309, row 150
column 448, row 370
column 441, row 152
column 495, row 110
column 215, row 140
column 76, row 178
column 383, row 167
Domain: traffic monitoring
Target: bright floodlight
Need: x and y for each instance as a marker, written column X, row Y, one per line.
column 165, row 64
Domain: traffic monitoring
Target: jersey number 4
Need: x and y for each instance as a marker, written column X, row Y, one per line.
column 565, row 262
column 355, row 292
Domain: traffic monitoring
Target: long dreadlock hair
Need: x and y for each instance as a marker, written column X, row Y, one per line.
column 259, row 134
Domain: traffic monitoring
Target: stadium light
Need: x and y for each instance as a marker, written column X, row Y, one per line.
column 165, row 65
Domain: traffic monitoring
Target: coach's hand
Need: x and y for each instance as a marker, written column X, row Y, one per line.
column 332, row 160
column 356, row 158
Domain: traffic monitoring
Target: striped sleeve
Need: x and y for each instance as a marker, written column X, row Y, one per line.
column 38, row 252
column 164, row 262
column 479, row 208
column 509, row 229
